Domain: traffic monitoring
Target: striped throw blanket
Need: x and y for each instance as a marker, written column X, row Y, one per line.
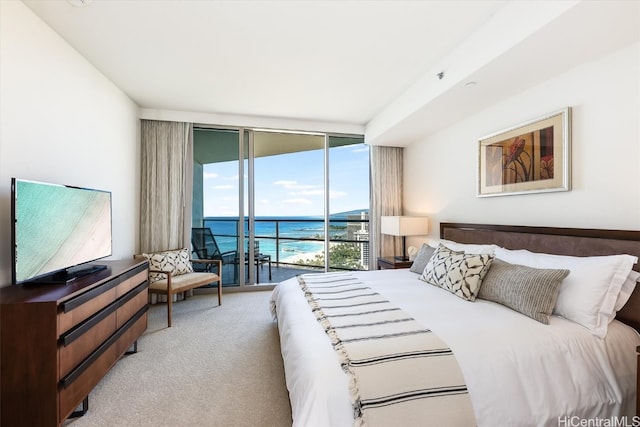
column 400, row 372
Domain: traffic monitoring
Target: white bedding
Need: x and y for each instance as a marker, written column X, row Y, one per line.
column 519, row 372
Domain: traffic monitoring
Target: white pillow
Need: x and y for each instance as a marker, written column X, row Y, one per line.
column 627, row 289
column 463, row 247
column 589, row 293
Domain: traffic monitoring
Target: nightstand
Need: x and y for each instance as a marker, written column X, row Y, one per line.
column 637, row 383
column 392, row 263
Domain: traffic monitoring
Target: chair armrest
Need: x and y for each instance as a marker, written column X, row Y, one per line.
column 208, row 261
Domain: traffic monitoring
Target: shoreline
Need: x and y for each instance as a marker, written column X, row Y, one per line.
column 302, row 256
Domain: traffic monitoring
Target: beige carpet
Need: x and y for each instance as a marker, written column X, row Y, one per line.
column 216, row 366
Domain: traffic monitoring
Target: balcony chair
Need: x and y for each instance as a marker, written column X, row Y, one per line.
column 259, row 260
column 171, row 272
column 205, row 247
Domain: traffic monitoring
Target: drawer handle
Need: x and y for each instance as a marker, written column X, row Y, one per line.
column 82, row 328
column 90, row 295
column 132, row 293
column 135, row 271
column 67, row 306
column 79, row 330
column 86, row 363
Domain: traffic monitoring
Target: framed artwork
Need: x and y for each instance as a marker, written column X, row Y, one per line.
column 533, row 157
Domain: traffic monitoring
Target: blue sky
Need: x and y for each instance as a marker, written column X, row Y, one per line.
column 292, row 184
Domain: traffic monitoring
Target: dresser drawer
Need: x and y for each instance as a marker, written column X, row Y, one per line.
column 76, row 311
column 76, row 385
column 80, row 308
column 80, row 388
column 131, row 283
column 131, row 303
column 138, row 326
column 80, row 342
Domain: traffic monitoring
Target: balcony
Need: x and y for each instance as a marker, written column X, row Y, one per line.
column 293, row 246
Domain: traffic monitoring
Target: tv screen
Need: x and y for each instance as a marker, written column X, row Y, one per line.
column 55, row 228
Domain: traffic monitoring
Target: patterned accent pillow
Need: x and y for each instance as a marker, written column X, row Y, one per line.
column 457, row 272
column 176, row 261
column 530, row 291
column 423, row 257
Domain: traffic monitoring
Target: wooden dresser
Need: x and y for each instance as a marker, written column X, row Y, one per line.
column 58, row 341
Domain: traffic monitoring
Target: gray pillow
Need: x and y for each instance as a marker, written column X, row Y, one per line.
column 530, row 291
column 423, row 257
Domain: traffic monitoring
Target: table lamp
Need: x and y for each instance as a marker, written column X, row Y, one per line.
column 404, row 226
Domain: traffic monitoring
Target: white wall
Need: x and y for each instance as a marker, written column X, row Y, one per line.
column 63, row 122
column 440, row 171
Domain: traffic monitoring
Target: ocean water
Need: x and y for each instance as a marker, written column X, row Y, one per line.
column 288, row 230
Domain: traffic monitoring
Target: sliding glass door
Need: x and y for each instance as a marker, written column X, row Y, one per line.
column 216, row 195
column 349, row 193
column 289, row 200
column 277, row 202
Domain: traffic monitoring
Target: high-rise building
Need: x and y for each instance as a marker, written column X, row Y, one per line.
column 359, row 230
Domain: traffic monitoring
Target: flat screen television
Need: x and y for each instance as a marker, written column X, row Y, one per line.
column 56, row 230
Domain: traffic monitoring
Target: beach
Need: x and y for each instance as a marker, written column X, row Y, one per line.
column 293, row 259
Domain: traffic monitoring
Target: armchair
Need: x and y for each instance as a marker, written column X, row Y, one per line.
column 171, row 272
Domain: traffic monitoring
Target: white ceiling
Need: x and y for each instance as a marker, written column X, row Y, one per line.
column 366, row 63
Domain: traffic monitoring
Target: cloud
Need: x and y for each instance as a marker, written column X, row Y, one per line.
column 297, row 201
column 360, row 149
column 332, row 194
column 224, row 211
column 285, row 184
column 215, row 175
column 307, row 193
column 224, row 187
column 293, row 185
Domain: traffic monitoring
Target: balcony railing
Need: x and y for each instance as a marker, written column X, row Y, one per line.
column 299, row 242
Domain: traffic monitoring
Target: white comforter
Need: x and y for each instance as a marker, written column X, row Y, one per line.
column 518, row 372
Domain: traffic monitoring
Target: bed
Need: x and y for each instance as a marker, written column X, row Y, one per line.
column 517, row 371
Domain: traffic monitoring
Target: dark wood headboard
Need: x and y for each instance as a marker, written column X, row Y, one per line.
column 560, row 241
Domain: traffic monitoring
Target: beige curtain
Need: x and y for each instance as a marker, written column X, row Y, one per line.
column 386, row 199
column 165, row 185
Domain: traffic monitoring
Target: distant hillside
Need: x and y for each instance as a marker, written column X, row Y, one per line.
column 339, row 215
column 342, row 215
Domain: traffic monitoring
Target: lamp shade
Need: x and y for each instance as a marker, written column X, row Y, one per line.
column 404, row 225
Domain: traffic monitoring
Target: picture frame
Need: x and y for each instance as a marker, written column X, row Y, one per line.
column 533, row 157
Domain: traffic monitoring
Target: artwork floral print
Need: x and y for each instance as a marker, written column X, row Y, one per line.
column 524, row 158
column 531, row 157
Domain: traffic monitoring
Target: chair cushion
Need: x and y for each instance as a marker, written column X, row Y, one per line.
column 184, row 282
column 175, row 262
